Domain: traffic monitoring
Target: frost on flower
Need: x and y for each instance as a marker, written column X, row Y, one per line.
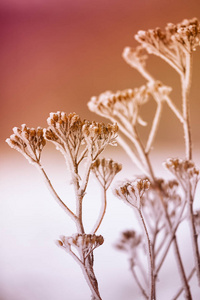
column 98, row 135
column 69, row 134
column 105, row 171
column 172, row 43
column 28, row 141
column 185, row 172
column 123, row 105
column 85, row 243
column 132, row 191
column 136, row 58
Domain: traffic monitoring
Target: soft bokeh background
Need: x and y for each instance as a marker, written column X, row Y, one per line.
column 55, row 55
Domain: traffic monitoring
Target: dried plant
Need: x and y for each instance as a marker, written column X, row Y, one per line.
column 78, row 141
column 166, row 204
column 161, row 205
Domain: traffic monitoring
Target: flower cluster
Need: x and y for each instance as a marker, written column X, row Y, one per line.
column 28, row 141
column 68, row 133
column 187, row 33
column 185, row 172
column 122, row 104
column 83, row 242
column 129, row 240
column 174, row 42
column 105, row 171
column 132, row 191
column 172, row 198
column 65, row 131
column 97, row 136
column 136, row 58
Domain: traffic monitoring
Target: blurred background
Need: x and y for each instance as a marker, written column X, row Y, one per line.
column 55, row 55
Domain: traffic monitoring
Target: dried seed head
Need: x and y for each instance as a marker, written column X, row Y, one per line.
column 185, row 172
column 97, row 136
column 173, row 43
column 124, row 103
column 83, row 242
column 132, row 191
column 69, row 133
column 128, row 241
column 28, row 141
column 136, row 58
column 105, row 171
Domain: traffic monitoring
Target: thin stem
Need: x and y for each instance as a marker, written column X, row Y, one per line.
column 131, row 154
column 149, row 257
column 55, row 195
column 145, row 73
column 172, row 233
column 176, row 249
column 185, row 84
column 138, row 282
column 194, row 237
column 174, row 109
column 182, row 289
column 144, row 156
column 154, row 127
column 102, row 212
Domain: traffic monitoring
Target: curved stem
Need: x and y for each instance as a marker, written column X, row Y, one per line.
column 55, row 195
column 149, row 257
column 102, row 212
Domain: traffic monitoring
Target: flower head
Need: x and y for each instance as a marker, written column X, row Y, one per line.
column 105, row 171
column 132, row 192
column 136, row 58
column 65, row 131
column 122, row 104
column 28, row 141
column 128, row 241
column 185, row 171
column 83, row 242
column 173, row 43
column 97, row 136
column 69, row 133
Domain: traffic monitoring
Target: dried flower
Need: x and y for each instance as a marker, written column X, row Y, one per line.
column 122, row 104
column 136, row 58
column 68, row 133
column 28, row 141
column 83, row 242
column 105, row 171
column 185, row 171
column 128, row 241
column 132, row 191
column 172, row 43
column 65, row 131
column 97, row 136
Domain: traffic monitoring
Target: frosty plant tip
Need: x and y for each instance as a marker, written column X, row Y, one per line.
column 79, row 142
column 161, row 206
